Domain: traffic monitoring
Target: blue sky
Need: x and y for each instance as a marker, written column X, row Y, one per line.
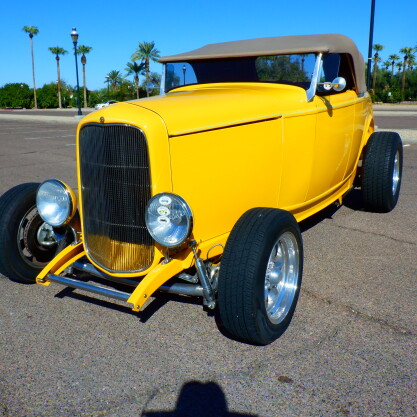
column 114, row 29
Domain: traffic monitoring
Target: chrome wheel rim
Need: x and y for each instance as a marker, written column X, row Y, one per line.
column 281, row 279
column 396, row 173
column 31, row 241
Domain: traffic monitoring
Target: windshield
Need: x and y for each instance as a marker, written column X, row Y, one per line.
column 283, row 69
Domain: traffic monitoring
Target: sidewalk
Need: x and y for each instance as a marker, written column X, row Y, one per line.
column 45, row 115
column 395, row 107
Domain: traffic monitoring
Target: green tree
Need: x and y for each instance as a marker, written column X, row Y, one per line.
column 82, row 49
column 411, row 85
column 393, row 58
column 115, row 78
column 406, row 51
column 399, row 66
column 146, row 52
column 135, row 68
column 377, row 48
column 411, row 61
column 386, row 64
column 47, row 96
column 283, row 67
column 32, row 31
column 15, row 95
column 57, row 51
column 96, row 97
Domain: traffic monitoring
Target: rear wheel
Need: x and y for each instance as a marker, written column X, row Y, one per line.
column 382, row 171
column 27, row 243
column 260, row 275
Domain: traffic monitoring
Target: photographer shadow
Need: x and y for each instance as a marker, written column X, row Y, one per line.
column 199, row 399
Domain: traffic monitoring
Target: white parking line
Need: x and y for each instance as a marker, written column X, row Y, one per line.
column 50, row 137
column 32, row 131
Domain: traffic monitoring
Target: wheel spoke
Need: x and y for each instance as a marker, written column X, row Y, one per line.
column 21, row 244
column 281, row 277
column 396, row 173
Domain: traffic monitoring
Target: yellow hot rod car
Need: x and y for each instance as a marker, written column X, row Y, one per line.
column 199, row 191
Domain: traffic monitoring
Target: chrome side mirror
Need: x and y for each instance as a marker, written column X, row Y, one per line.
column 149, row 87
column 339, row 84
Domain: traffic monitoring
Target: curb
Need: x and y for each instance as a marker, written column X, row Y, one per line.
column 34, row 118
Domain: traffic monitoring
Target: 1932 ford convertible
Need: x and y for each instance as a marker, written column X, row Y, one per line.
column 199, row 191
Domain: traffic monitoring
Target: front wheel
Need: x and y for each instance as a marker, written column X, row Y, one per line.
column 27, row 243
column 260, row 275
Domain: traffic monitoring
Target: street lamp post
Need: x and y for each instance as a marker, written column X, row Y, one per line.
column 74, row 37
column 371, row 36
column 108, row 84
column 184, row 69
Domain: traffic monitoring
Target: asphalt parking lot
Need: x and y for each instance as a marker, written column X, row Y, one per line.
column 350, row 351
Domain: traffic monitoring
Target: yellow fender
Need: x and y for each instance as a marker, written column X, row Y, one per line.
column 62, row 261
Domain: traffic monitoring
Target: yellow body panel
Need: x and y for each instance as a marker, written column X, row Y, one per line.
column 205, row 107
column 62, row 261
column 226, row 148
column 223, row 177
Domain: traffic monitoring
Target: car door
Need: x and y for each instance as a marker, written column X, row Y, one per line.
column 334, row 130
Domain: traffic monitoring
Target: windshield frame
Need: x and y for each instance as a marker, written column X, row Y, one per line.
column 249, row 70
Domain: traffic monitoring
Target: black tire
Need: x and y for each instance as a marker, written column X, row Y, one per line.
column 21, row 255
column 382, row 172
column 245, row 273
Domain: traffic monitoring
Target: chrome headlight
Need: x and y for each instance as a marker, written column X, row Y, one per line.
column 168, row 219
column 55, row 202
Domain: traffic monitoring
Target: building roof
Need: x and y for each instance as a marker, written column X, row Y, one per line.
column 279, row 45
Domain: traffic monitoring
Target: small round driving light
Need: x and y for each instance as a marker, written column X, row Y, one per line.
column 168, row 219
column 55, row 202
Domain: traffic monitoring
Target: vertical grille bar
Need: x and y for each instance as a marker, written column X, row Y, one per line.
column 115, row 180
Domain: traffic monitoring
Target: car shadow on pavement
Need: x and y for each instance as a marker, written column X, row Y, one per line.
column 199, row 399
column 155, row 304
column 353, row 201
column 315, row 219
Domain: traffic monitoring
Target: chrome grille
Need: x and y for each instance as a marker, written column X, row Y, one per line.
column 115, row 182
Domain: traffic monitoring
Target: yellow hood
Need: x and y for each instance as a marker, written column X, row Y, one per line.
column 199, row 108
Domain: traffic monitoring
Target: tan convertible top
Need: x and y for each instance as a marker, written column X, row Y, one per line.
column 279, row 45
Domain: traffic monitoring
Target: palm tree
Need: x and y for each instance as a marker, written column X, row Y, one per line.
column 32, row 30
column 57, row 51
column 387, row 64
column 115, row 78
column 82, row 49
column 377, row 48
column 393, row 58
column 406, row 51
column 146, row 52
column 135, row 68
column 399, row 65
column 411, row 62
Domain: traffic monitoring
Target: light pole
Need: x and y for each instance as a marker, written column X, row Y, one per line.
column 74, row 37
column 184, row 69
column 371, row 36
column 108, row 83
